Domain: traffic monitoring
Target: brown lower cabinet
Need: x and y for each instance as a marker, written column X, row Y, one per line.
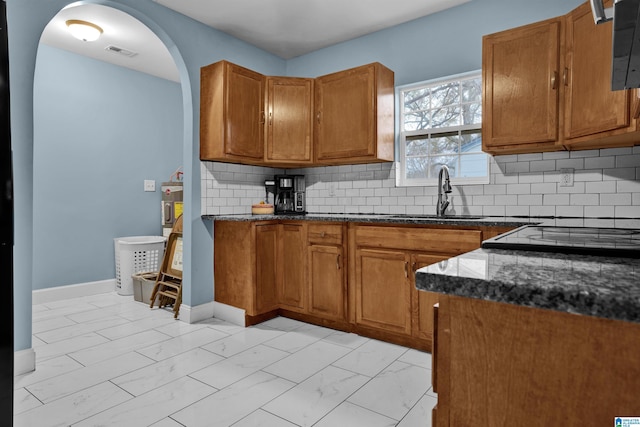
column 499, row 364
column 348, row 276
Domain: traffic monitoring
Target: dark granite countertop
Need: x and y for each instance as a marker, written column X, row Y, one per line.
column 599, row 286
column 590, row 285
column 462, row 220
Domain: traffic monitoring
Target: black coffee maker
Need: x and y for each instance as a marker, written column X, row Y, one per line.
column 289, row 194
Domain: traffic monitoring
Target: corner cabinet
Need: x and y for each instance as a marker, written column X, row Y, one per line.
column 547, row 87
column 231, row 114
column 289, row 122
column 259, row 267
column 355, row 116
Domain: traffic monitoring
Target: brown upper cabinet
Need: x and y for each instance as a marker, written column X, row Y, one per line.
column 231, row 114
column 289, row 125
column 355, row 116
column 547, row 87
column 342, row 118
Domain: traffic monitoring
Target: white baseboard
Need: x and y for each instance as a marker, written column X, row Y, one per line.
column 229, row 314
column 24, row 361
column 195, row 314
column 42, row 296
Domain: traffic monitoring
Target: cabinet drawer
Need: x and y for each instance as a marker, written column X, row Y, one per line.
column 325, row 233
column 448, row 241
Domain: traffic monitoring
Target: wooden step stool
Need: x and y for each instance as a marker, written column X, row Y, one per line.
column 168, row 287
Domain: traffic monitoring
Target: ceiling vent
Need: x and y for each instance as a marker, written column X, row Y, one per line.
column 121, row 51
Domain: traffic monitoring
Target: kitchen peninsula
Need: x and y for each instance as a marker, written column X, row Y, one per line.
column 535, row 338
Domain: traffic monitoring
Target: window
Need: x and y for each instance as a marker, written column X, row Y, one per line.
column 441, row 124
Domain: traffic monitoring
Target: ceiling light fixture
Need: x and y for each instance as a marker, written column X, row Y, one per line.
column 83, row 30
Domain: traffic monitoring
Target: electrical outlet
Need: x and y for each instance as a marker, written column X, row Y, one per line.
column 566, row 177
column 332, row 189
column 149, row 185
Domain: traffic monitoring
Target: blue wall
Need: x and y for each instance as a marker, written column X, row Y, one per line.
column 100, row 130
column 192, row 45
column 446, row 43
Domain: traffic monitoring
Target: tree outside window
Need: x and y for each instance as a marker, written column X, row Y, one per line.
column 440, row 124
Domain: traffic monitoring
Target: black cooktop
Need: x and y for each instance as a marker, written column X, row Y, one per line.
column 614, row 242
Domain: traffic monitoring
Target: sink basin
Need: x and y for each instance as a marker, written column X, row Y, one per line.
column 427, row 216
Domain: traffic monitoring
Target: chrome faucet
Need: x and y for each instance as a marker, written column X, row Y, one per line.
column 443, row 190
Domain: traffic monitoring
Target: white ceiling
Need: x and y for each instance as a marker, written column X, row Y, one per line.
column 290, row 28
column 287, row 28
column 119, row 29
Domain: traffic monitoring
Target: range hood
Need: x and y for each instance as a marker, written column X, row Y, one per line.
column 625, row 70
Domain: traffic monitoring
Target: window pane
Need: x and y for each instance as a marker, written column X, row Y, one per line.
column 444, row 144
column 447, row 94
column 436, row 164
column 473, row 165
column 416, row 121
column 415, row 100
column 472, row 90
column 471, row 114
column 446, row 117
column 417, row 167
column 417, row 147
column 436, row 115
column 471, row 142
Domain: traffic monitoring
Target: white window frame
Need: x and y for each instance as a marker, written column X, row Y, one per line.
column 401, row 180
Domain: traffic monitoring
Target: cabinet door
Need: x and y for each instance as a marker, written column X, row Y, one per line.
column 266, row 270
column 291, row 262
column 289, row 126
column 345, row 114
column 383, row 294
column 245, row 113
column 520, row 88
column 423, row 301
column 591, row 107
column 326, row 282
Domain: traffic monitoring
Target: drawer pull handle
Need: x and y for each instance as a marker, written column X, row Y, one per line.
column 323, row 234
column 406, row 269
column 338, row 262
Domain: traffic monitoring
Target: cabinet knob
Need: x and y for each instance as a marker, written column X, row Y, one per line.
column 322, row 234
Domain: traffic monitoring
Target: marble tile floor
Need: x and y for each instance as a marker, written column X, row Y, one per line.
column 106, row 360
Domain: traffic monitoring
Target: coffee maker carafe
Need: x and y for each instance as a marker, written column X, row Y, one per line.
column 289, row 194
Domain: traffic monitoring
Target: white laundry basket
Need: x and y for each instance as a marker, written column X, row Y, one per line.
column 136, row 254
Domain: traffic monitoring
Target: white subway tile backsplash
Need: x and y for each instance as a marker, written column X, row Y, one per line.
column 570, row 164
column 575, row 211
column 584, row 153
column 599, row 187
column 517, row 211
column 584, row 199
column 555, row 155
column 606, row 184
column 600, row 162
column 623, row 174
column 599, row 211
column 542, row 166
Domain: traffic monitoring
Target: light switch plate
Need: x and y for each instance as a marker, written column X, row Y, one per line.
column 149, row 185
